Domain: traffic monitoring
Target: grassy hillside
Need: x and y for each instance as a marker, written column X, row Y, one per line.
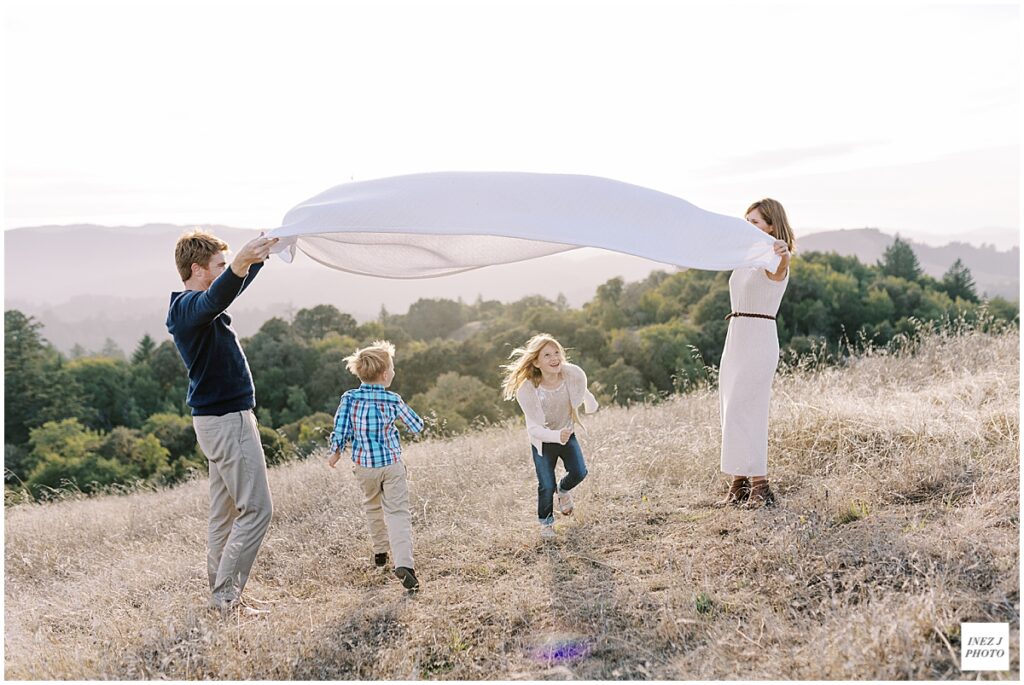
column 899, row 489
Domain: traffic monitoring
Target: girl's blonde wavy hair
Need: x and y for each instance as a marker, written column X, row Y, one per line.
column 521, row 368
column 775, row 216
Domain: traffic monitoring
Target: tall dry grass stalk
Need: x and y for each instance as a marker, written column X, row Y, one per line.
column 898, row 519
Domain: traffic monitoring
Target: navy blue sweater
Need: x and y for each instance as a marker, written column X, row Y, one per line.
column 219, row 381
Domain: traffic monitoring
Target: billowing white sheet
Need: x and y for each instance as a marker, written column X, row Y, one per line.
column 435, row 224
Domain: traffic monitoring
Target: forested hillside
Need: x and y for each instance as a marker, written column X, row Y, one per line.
column 101, row 420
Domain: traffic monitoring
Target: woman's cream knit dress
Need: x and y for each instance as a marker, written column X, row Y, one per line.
column 745, row 376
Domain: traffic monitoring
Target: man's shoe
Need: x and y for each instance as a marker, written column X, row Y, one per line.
column 381, row 559
column 565, row 502
column 236, row 607
column 245, row 611
column 739, row 492
column 547, row 531
column 221, row 605
column 408, row 577
column 256, row 604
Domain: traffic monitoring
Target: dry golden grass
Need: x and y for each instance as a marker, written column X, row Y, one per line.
column 898, row 519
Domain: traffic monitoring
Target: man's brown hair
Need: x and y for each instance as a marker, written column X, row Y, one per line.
column 196, row 247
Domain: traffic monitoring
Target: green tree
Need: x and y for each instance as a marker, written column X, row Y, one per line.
column 112, row 350
column 276, row 448
column 65, row 438
column 429, row 319
column 316, row 322
column 177, row 435
column 668, row 360
column 309, row 433
column 16, row 463
column 145, row 389
column 606, row 309
column 708, row 315
column 958, row 282
column 682, row 290
column 900, row 261
column 457, row 401
column 1002, row 309
column 144, row 350
column 25, row 370
column 280, row 361
column 142, row 456
column 381, row 330
column 418, row 365
column 170, row 376
column 905, row 295
column 105, row 390
column 620, row 383
column 332, row 377
column 36, row 386
column 879, row 306
column 67, row 453
column 296, row 405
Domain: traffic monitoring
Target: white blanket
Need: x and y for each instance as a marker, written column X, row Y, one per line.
column 425, row 225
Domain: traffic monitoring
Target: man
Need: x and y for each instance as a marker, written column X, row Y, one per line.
column 222, row 397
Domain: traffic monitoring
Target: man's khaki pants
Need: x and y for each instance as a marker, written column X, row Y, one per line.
column 240, row 504
column 386, row 503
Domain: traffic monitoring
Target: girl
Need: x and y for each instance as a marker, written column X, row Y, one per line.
column 749, row 360
column 549, row 389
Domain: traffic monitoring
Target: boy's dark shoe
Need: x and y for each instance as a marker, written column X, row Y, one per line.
column 380, row 559
column 408, row 577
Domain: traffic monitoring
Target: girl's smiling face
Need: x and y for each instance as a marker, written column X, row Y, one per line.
column 549, row 359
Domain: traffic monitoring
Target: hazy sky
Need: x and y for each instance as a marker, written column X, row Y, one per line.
column 901, row 117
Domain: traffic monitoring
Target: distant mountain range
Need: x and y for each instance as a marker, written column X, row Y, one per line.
column 87, row 283
column 996, row 272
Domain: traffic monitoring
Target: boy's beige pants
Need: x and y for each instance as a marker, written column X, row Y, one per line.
column 386, row 503
column 240, row 504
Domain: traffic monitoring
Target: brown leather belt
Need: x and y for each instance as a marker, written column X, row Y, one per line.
column 752, row 316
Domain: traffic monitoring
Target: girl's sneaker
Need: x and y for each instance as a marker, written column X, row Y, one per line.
column 547, row 531
column 565, row 502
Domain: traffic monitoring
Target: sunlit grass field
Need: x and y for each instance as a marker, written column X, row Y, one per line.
column 897, row 477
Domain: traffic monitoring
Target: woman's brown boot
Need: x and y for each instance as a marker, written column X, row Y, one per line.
column 738, row 493
column 761, row 495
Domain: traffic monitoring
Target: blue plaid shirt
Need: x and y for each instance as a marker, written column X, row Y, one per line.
column 367, row 416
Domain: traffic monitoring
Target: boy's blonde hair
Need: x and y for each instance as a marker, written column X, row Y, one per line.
column 196, row 247
column 372, row 361
column 521, row 368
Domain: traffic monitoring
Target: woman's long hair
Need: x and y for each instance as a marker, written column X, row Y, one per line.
column 521, row 368
column 775, row 216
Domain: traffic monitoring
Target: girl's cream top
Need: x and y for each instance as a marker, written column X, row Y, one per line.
column 529, row 400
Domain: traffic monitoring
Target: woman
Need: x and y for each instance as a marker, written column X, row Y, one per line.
column 749, row 360
column 549, row 390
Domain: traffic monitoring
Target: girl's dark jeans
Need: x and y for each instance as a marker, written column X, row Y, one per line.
column 575, row 471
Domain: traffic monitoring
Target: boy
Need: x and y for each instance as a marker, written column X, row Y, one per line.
column 367, row 416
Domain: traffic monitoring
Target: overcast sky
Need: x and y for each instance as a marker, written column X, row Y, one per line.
column 900, row 117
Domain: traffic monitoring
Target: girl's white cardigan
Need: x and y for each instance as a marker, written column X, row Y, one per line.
column 576, row 383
